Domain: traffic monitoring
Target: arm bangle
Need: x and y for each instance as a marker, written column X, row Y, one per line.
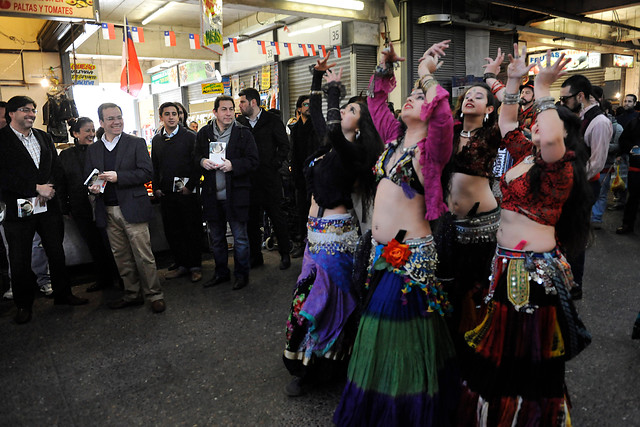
column 489, row 76
column 510, row 98
column 545, row 99
column 315, row 92
column 428, row 85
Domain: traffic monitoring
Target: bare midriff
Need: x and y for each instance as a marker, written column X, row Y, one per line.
column 516, row 227
column 313, row 210
column 466, row 191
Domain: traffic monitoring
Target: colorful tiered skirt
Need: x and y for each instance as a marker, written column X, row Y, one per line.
column 402, row 370
column 323, row 318
column 517, row 375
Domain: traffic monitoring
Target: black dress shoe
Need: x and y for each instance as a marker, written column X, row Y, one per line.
column 22, row 316
column 123, row 303
column 576, row 292
column 285, row 262
column 241, row 282
column 297, row 252
column 216, row 281
column 257, row 262
column 624, row 229
column 97, row 287
column 70, row 300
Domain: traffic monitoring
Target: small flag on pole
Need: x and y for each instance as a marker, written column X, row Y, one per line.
column 277, row 46
column 336, row 52
column 324, row 50
column 169, row 38
column 194, row 41
column 234, row 42
column 137, row 34
column 290, row 47
column 262, row 47
column 108, row 31
column 303, row 47
column 313, row 50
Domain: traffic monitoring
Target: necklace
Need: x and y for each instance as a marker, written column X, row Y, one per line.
column 529, row 160
column 405, row 149
column 467, row 133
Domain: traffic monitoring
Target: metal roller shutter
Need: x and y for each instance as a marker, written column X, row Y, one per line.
column 194, row 92
column 500, row 40
column 366, row 59
column 425, row 35
column 300, row 78
column 174, row 95
column 595, row 76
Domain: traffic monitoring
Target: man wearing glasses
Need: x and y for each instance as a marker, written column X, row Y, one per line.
column 123, row 207
column 304, row 142
column 576, row 94
column 29, row 169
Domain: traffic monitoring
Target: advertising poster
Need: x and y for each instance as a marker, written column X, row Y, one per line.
column 84, row 74
column 68, row 9
column 211, row 25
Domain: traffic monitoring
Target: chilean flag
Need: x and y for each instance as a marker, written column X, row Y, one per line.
column 304, row 49
column 262, row 47
column 234, row 41
column 137, row 34
column 194, row 41
column 131, row 77
column 108, row 31
column 313, row 50
column 169, row 38
column 324, row 50
column 336, row 52
column 277, row 46
column 290, row 47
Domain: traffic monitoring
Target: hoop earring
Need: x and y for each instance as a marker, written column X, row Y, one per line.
column 486, row 116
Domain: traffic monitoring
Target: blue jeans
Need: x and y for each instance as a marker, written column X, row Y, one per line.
column 218, row 235
column 601, row 203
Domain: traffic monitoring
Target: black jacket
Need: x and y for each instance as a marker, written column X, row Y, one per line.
column 74, row 195
column 304, row 142
column 630, row 137
column 134, row 169
column 19, row 174
column 243, row 155
column 271, row 138
column 174, row 158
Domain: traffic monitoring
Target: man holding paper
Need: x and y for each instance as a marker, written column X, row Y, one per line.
column 29, row 169
column 124, row 207
column 227, row 154
column 174, row 179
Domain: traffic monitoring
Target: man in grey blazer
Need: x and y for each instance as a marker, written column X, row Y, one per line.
column 124, row 208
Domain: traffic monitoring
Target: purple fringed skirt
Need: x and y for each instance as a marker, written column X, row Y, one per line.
column 321, row 319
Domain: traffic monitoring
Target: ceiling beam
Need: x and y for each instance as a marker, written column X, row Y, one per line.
column 371, row 12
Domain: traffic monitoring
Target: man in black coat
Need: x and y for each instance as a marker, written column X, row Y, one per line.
column 124, row 207
column 29, row 170
column 227, row 154
column 266, row 195
column 175, row 176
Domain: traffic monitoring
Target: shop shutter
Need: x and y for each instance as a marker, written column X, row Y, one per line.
column 503, row 41
column 595, row 76
column 174, row 95
column 424, row 36
column 300, row 78
column 194, row 92
column 366, row 59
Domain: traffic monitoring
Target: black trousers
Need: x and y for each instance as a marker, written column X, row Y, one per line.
column 577, row 262
column 19, row 234
column 631, row 208
column 303, row 204
column 182, row 220
column 267, row 200
column 97, row 241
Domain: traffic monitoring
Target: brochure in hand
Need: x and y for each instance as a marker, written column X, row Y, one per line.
column 30, row 206
column 217, row 152
column 93, row 179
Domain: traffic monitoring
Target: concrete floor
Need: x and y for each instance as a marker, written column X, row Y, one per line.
column 214, row 357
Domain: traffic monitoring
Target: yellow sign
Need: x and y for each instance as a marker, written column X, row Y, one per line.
column 69, row 9
column 212, row 88
column 84, row 74
column 266, row 77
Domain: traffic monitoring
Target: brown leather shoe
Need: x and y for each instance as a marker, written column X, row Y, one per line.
column 158, row 306
column 123, row 303
column 196, row 276
column 179, row 272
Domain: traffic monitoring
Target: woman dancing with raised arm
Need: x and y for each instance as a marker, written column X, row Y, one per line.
column 321, row 324
column 402, row 370
column 517, row 371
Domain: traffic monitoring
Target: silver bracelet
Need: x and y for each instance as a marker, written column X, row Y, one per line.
column 316, row 92
column 510, row 98
column 545, row 99
column 547, row 105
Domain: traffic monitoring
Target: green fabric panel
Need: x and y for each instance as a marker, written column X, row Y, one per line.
column 400, row 357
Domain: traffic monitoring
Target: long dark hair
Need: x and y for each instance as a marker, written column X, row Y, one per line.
column 572, row 229
column 371, row 143
column 491, row 101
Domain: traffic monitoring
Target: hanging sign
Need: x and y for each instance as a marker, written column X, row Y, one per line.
column 266, row 77
column 68, row 9
column 226, row 83
column 165, row 80
column 84, row 74
column 211, row 25
column 212, row 88
column 580, row 60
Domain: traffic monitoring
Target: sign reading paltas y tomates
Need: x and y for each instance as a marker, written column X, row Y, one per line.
column 67, row 9
column 211, row 25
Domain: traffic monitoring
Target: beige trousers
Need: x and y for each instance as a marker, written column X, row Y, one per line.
column 131, row 247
